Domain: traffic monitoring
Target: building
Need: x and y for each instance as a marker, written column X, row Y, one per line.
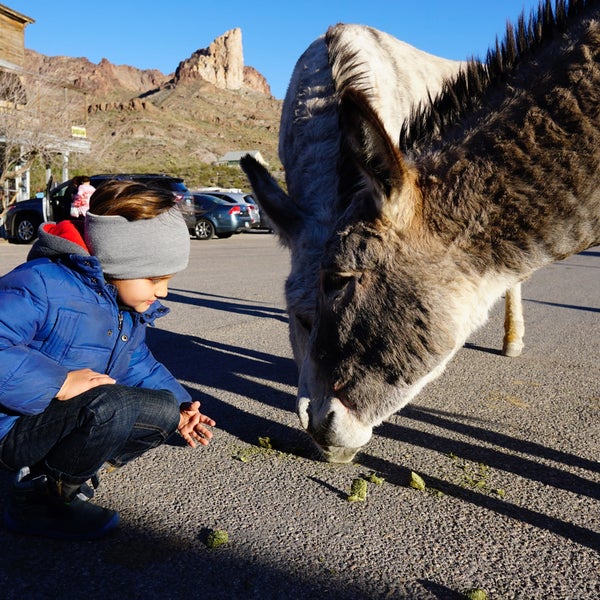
column 20, row 92
column 12, row 40
column 12, row 59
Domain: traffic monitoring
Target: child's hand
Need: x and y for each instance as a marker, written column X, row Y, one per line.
column 81, row 381
column 191, row 424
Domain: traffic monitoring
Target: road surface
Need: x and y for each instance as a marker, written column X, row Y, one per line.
column 508, row 449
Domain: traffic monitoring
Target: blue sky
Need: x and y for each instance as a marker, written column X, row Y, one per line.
column 150, row 36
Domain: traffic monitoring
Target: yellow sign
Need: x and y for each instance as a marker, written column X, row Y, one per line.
column 78, row 132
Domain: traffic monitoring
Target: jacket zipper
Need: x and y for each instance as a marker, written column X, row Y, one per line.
column 115, row 350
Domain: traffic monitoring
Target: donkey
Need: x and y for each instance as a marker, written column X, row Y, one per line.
column 502, row 178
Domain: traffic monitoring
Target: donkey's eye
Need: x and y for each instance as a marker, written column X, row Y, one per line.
column 334, row 281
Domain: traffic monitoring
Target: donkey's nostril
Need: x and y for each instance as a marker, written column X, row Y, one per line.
column 321, row 431
column 328, row 420
column 343, row 397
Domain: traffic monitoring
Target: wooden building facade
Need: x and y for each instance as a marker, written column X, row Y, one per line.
column 12, row 37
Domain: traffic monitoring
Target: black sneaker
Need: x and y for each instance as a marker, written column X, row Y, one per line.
column 33, row 510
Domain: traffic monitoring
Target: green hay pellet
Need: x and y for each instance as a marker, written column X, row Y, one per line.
column 216, row 538
column 476, row 594
column 373, row 478
column 416, row 481
column 358, row 491
column 265, row 442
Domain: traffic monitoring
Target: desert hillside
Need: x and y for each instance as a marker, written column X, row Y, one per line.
column 179, row 123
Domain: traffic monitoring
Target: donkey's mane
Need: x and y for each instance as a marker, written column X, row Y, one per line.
column 347, row 68
column 463, row 93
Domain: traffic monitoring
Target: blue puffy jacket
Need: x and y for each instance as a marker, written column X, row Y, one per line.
column 58, row 314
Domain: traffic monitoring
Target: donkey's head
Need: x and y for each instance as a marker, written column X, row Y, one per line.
column 395, row 300
column 389, row 295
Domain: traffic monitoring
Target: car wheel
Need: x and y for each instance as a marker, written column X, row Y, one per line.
column 26, row 230
column 204, row 229
column 224, row 236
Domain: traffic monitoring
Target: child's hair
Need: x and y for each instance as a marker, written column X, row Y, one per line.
column 136, row 231
column 131, row 200
column 79, row 180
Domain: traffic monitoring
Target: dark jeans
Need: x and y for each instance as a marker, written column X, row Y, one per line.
column 72, row 439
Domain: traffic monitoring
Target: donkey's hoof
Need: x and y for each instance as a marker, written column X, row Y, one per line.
column 513, row 349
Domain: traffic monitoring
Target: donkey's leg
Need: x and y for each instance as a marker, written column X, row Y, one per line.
column 514, row 325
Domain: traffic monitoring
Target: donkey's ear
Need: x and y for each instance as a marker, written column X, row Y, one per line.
column 372, row 170
column 283, row 212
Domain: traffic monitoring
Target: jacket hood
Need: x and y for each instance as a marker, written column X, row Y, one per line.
column 64, row 240
column 59, row 239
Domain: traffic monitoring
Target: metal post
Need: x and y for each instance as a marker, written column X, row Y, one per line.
column 26, row 184
column 65, row 166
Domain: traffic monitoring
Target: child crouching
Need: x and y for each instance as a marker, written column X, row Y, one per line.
column 79, row 387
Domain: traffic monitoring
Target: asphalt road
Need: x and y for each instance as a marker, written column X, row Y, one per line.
column 508, row 449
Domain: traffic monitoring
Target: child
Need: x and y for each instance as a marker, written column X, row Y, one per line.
column 81, row 199
column 79, row 388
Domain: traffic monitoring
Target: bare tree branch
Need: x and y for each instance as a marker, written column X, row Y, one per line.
column 36, row 117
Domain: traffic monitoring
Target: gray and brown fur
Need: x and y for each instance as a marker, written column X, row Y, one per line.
column 502, row 178
column 396, row 76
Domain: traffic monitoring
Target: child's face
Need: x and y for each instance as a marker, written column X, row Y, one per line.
column 139, row 294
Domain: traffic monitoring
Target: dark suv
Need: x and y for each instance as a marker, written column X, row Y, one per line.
column 24, row 218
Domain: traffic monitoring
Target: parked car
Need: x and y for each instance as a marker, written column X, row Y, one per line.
column 236, row 196
column 207, row 215
column 24, row 218
column 263, row 220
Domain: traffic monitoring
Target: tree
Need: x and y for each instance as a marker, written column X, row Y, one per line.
column 35, row 122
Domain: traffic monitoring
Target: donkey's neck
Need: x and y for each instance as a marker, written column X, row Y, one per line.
column 518, row 184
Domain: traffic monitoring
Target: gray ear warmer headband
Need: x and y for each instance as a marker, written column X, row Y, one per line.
column 139, row 249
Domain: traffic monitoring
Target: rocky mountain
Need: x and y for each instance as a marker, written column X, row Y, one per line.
column 144, row 120
column 222, row 64
column 95, row 79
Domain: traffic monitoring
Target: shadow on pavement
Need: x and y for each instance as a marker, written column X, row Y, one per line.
column 227, row 304
column 221, row 366
column 138, row 565
column 234, row 370
column 501, row 459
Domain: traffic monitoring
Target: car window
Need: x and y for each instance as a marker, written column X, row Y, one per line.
column 208, row 200
column 61, row 190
